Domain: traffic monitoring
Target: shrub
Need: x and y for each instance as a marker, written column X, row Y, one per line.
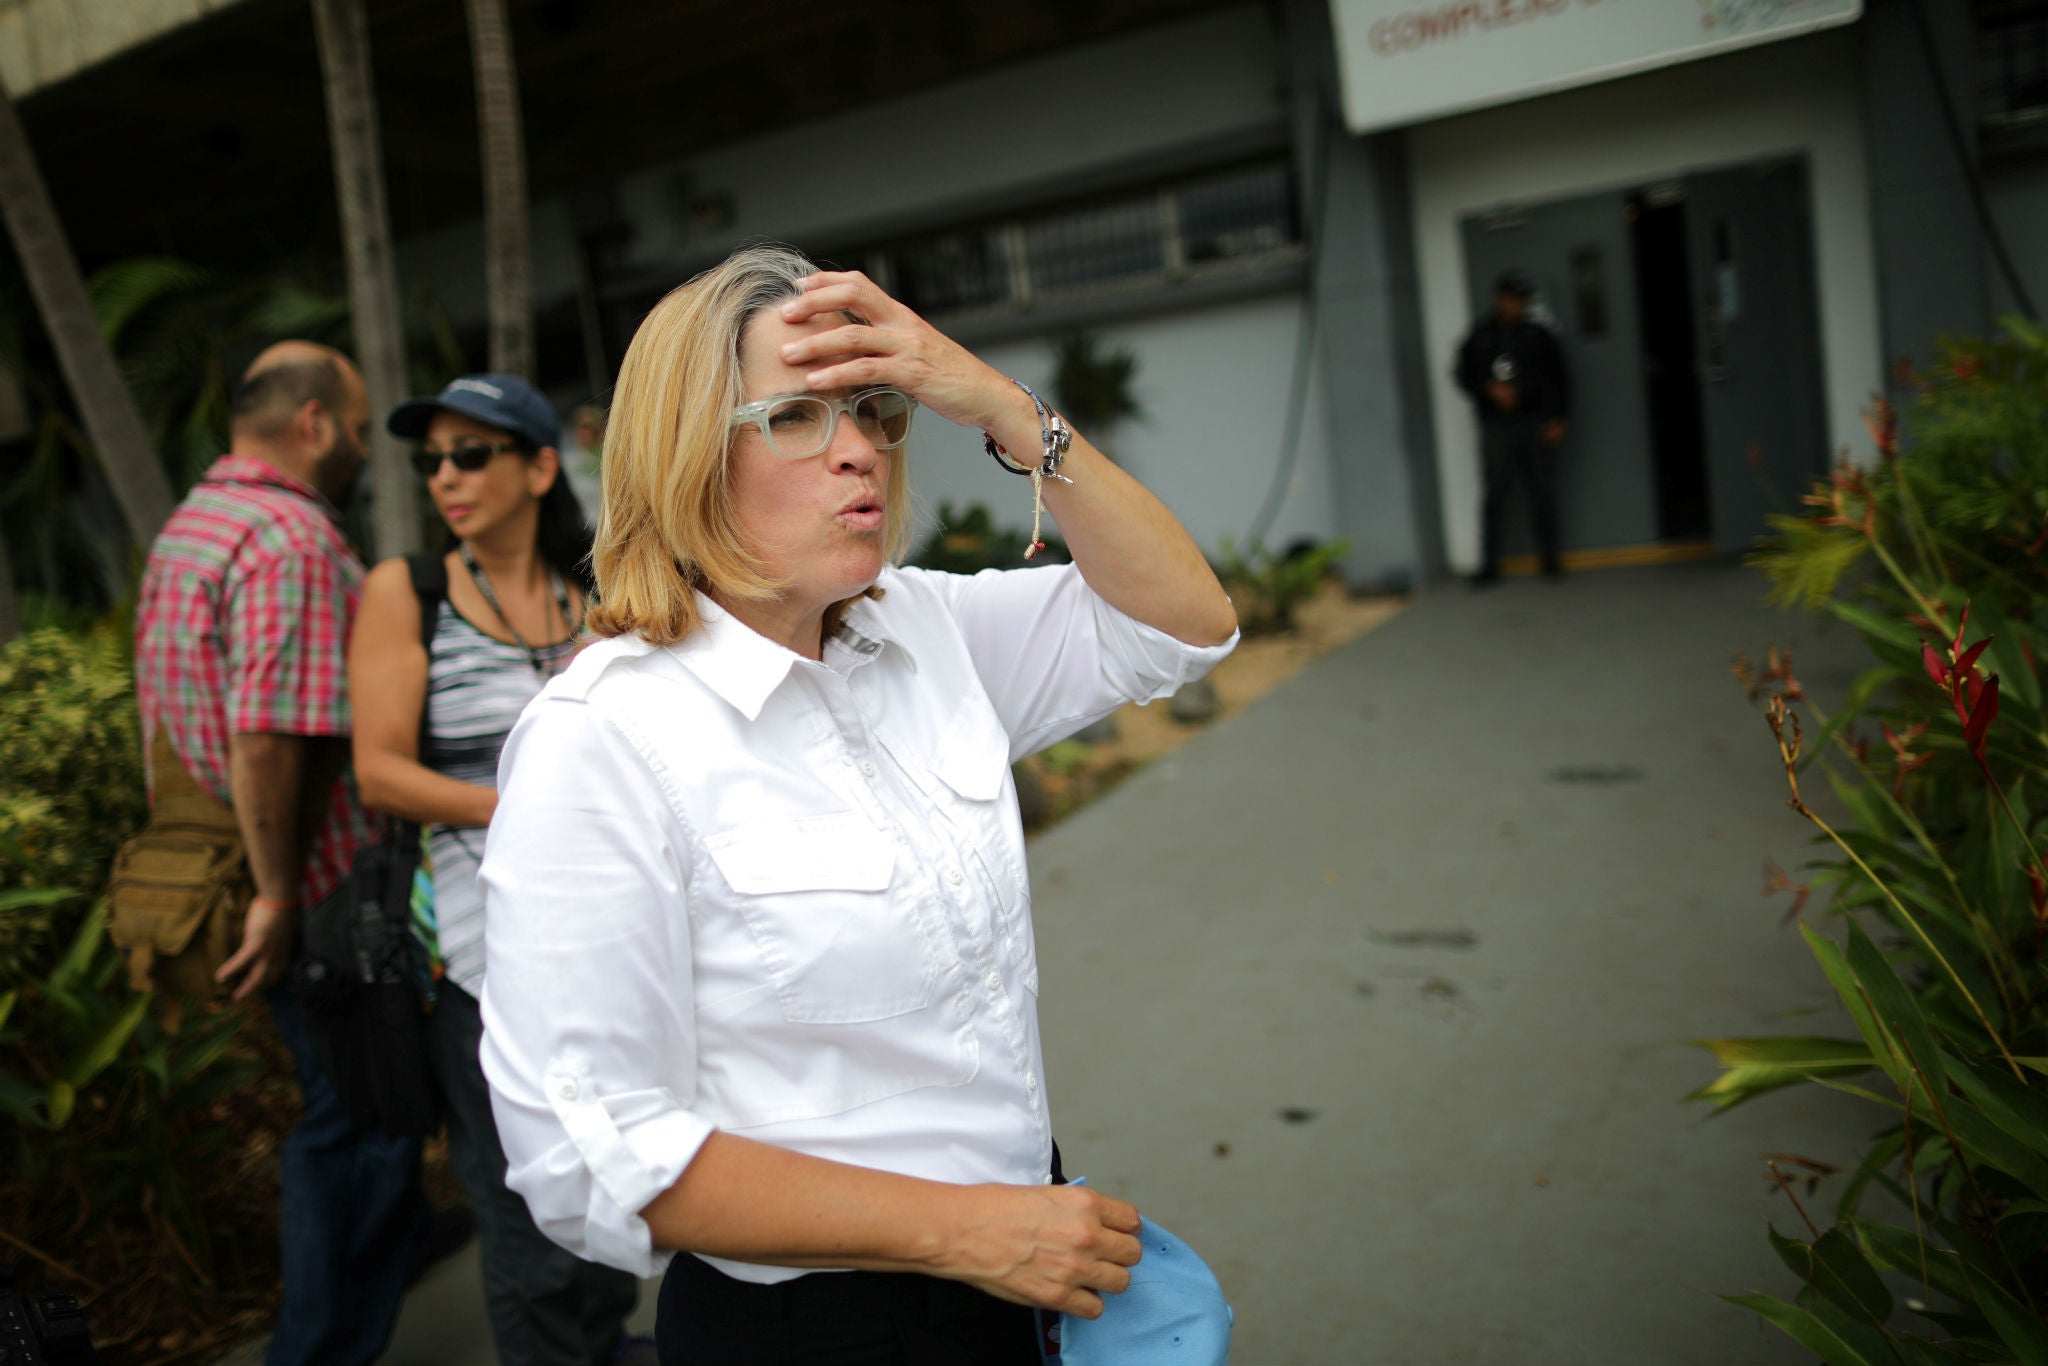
column 1935, row 557
column 138, row 1159
column 1267, row 588
column 969, row 541
column 71, row 785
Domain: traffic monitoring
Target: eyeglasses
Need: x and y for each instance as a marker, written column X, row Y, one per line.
column 469, row 457
column 802, row 425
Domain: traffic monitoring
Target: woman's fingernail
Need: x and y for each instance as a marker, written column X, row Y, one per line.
column 789, row 309
column 789, row 351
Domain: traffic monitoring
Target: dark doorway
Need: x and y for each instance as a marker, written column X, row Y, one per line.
column 1670, row 374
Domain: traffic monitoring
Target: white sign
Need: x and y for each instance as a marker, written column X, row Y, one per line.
column 1403, row 61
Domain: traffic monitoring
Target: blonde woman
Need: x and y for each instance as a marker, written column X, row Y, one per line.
column 762, row 982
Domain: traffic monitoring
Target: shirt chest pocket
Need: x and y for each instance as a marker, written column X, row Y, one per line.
column 816, row 896
column 972, row 771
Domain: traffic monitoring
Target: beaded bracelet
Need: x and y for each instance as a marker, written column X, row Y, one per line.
column 1055, row 439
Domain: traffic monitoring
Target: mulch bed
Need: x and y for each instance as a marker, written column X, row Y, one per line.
column 150, row 1299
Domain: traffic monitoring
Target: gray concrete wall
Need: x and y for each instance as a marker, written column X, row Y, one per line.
column 43, row 41
column 2018, row 195
column 1930, row 252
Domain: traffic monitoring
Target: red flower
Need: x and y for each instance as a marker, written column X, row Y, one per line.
column 1905, row 760
column 1974, row 697
column 1777, row 880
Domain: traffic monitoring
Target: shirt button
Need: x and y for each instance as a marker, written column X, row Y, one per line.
column 568, row 1090
column 995, row 981
column 1031, row 1082
column 867, row 768
column 953, row 876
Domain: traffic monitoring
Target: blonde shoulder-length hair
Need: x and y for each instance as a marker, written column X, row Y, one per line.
column 668, row 525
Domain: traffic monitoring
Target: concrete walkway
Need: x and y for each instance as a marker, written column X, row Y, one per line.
column 1379, row 993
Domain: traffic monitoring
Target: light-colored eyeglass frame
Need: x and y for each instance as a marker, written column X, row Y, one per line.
column 757, row 413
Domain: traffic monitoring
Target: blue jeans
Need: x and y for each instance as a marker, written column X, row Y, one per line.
column 353, row 1218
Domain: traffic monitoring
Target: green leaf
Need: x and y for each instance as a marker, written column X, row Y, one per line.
column 1880, row 1155
column 21, row 1101
column 124, row 288
column 1860, row 693
column 1895, row 1007
column 1935, row 1267
column 1755, row 1066
column 1870, row 813
column 2017, row 1326
column 85, row 944
column 61, row 1098
column 1839, row 974
column 1897, row 633
column 2005, row 1101
column 95, row 1057
column 7, row 1006
column 1847, row 1277
column 1804, row 1328
column 24, row 898
column 1836, row 1268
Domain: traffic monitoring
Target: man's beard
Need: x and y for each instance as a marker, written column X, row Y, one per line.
column 337, row 472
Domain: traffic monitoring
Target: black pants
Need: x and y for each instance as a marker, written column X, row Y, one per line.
column 547, row 1307
column 836, row 1318
column 839, row 1318
column 1512, row 451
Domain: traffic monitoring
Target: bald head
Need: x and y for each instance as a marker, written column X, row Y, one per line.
column 282, row 380
column 304, row 408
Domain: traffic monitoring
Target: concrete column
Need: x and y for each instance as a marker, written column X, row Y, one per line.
column 1368, row 342
column 1930, row 249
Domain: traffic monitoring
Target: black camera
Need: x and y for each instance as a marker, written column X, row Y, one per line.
column 38, row 1328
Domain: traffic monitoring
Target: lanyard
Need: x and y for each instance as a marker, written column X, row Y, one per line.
column 483, row 585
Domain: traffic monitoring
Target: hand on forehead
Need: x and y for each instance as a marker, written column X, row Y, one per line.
column 763, row 371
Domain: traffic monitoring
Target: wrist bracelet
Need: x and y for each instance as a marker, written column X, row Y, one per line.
column 1055, row 439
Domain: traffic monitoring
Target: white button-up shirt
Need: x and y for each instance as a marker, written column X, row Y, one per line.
column 730, row 888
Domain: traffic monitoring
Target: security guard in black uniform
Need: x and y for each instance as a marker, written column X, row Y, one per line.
column 1513, row 370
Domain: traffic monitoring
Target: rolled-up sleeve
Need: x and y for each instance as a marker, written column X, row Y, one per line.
column 589, row 1039
column 1054, row 656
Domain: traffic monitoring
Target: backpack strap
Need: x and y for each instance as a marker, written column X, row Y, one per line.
column 429, row 573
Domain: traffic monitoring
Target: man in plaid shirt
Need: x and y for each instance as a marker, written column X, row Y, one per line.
column 240, row 656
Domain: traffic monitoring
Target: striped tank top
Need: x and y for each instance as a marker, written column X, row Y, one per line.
column 476, row 688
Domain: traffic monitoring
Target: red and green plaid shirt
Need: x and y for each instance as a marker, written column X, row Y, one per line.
column 243, row 626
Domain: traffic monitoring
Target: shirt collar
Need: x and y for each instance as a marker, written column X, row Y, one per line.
column 247, row 469
column 745, row 667
column 732, row 659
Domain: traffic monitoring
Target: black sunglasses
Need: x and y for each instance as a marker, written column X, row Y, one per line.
column 469, row 457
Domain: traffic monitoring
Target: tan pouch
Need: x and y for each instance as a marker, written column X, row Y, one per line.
column 180, row 888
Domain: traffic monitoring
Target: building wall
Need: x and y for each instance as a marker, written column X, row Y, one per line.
column 2018, row 195
column 43, row 41
column 1795, row 96
column 1214, row 384
column 1214, row 378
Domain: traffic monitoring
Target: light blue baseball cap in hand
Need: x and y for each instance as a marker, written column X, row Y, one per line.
column 1173, row 1314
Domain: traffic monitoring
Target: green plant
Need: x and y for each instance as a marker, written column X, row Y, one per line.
column 1935, row 873
column 1092, row 386
column 135, row 1150
column 968, row 541
column 1267, row 588
column 71, row 786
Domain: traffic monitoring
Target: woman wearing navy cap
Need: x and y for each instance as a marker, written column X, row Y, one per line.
column 464, row 640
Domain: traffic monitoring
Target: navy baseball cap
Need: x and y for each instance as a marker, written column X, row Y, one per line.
column 1173, row 1314
column 1514, row 282
column 506, row 402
